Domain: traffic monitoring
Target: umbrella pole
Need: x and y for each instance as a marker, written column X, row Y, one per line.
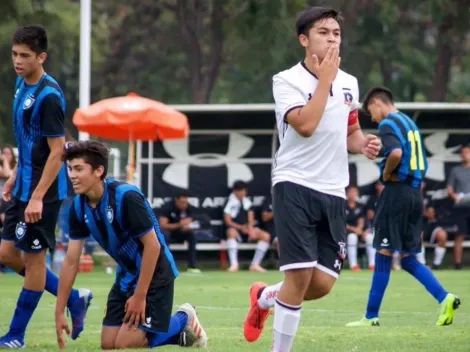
column 130, row 162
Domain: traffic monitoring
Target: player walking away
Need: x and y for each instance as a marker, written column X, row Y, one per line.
column 117, row 215
column 399, row 216
column 317, row 120
column 37, row 186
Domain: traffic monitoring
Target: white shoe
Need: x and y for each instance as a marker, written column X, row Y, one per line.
column 193, row 333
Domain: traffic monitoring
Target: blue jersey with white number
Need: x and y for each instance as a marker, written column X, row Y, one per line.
column 397, row 130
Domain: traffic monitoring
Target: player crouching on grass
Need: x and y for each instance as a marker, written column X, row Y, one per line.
column 117, row 215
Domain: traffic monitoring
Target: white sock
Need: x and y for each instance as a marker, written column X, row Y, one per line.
column 352, row 250
column 420, row 256
column 286, row 323
column 439, row 253
column 232, row 246
column 261, row 249
column 269, row 295
column 396, row 260
column 370, row 249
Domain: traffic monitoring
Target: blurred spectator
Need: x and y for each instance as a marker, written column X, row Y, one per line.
column 355, row 222
column 267, row 219
column 7, row 164
column 433, row 232
column 177, row 221
column 239, row 220
column 458, row 186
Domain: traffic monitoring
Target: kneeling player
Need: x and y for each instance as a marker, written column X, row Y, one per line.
column 117, row 215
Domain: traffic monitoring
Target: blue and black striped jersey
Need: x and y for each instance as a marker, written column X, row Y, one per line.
column 122, row 216
column 397, row 130
column 38, row 114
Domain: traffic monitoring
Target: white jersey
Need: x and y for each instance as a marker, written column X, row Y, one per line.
column 319, row 162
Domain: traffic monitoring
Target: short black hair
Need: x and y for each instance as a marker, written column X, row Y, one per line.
column 93, row 152
column 307, row 18
column 239, row 185
column 35, row 37
column 381, row 93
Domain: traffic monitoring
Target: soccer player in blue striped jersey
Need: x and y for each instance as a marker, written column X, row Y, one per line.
column 399, row 211
column 117, row 215
column 37, row 186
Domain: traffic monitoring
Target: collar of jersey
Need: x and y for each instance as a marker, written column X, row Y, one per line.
column 306, row 68
column 105, row 194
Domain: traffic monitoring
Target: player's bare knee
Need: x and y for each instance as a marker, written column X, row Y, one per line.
column 265, row 236
column 106, row 345
column 298, row 280
column 441, row 237
column 8, row 253
column 232, row 233
column 320, row 285
column 131, row 341
column 34, row 260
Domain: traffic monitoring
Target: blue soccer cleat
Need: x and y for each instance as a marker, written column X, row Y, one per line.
column 8, row 342
column 78, row 309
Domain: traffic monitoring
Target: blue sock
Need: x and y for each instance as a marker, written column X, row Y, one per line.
column 52, row 285
column 383, row 266
column 425, row 276
column 177, row 323
column 25, row 307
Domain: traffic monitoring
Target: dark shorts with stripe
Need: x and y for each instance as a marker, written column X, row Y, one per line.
column 159, row 305
column 31, row 237
column 398, row 221
column 311, row 228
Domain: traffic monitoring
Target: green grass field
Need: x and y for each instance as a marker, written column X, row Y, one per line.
column 408, row 315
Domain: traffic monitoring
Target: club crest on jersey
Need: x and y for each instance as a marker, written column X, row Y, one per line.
column 348, row 98
column 20, row 230
column 29, row 101
column 110, row 214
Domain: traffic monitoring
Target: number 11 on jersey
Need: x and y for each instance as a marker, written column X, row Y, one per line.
column 417, row 158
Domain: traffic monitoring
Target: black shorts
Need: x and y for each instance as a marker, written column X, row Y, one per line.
column 311, row 228
column 461, row 218
column 398, row 219
column 429, row 231
column 31, row 237
column 159, row 305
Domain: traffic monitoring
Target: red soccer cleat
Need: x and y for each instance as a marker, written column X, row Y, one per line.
column 254, row 321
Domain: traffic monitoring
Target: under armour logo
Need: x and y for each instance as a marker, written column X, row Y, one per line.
column 177, row 173
column 337, row 264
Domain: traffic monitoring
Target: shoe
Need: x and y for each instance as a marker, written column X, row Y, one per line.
column 193, row 334
column 193, row 271
column 9, row 342
column 257, row 268
column 448, row 307
column 356, row 268
column 364, row 322
column 254, row 321
column 78, row 309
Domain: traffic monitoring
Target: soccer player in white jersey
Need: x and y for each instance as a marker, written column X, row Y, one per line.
column 317, row 118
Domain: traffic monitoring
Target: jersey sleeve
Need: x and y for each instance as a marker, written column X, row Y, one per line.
column 136, row 217
column 286, row 98
column 52, row 117
column 77, row 228
column 451, row 181
column 390, row 140
column 231, row 207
